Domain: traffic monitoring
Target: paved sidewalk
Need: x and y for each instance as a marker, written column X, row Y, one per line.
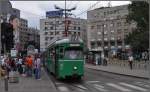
column 120, row 70
column 28, row 84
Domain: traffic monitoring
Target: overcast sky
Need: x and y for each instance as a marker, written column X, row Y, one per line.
column 35, row 10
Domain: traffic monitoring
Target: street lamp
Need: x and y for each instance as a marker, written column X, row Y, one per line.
column 66, row 22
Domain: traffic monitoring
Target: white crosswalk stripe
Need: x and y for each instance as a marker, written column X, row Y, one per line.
column 82, row 87
column 63, row 89
column 133, row 86
column 119, row 87
column 92, row 81
column 142, row 84
column 100, row 88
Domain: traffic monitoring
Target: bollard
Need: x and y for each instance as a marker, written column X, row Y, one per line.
column 6, row 83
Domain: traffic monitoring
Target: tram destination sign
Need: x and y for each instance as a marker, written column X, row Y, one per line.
column 75, row 45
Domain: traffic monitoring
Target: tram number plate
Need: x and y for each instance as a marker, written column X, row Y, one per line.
column 74, row 44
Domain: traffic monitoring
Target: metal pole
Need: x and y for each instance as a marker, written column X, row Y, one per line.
column 6, row 81
column 0, row 39
column 103, row 45
column 55, row 25
column 65, row 21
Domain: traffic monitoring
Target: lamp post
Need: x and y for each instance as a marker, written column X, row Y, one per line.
column 102, row 54
column 66, row 21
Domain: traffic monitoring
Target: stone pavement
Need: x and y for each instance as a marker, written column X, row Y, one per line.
column 28, row 84
column 121, row 70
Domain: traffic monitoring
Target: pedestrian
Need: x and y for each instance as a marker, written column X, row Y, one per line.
column 130, row 60
column 29, row 65
column 20, row 69
column 37, row 66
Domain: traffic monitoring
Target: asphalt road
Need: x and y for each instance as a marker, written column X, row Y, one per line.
column 98, row 81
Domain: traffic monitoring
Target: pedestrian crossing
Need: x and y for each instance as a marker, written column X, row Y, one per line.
column 106, row 87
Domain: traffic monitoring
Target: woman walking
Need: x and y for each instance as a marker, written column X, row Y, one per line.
column 37, row 66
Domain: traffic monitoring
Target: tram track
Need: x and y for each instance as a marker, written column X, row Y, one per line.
column 79, row 85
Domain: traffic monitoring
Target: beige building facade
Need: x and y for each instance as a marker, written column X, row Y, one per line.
column 54, row 27
column 107, row 28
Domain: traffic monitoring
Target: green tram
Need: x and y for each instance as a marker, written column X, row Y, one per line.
column 64, row 58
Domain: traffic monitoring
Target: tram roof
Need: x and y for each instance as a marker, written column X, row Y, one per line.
column 67, row 40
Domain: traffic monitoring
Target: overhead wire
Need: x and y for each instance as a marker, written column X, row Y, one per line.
column 91, row 7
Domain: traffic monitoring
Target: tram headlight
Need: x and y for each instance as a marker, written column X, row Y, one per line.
column 75, row 68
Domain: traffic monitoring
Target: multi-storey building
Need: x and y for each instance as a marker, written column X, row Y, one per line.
column 55, row 26
column 108, row 27
column 27, row 35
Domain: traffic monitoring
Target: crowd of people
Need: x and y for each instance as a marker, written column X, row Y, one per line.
column 25, row 66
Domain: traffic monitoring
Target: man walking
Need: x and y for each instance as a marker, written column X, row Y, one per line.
column 130, row 60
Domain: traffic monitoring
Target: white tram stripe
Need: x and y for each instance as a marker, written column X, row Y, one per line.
column 118, row 87
column 100, row 88
column 133, row 86
column 63, row 88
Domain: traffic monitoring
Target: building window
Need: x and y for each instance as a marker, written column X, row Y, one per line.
column 78, row 28
column 92, row 27
column 105, row 25
column 112, row 24
column 57, row 33
column 99, row 33
column 51, row 33
column 98, row 26
column 79, row 33
column 46, row 28
column 119, row 24
column 74, row 28
column 51, row 28
column 92, row 44
column 46, row 43
column 105, row 32
column 112, row 38
column 112, row 31
column 46, row 23
column 51, row 38
column 46, row 33
column 119, row 30
column 46, row 38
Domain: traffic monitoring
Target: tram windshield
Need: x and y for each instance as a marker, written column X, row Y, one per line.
column 73, row 53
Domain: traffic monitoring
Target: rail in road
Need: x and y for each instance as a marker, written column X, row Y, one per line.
column 95, row 84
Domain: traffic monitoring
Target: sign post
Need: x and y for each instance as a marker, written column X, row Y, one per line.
column 13, row 53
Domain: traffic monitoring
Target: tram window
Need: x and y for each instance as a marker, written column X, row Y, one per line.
column 73, row 53
column 61, row 52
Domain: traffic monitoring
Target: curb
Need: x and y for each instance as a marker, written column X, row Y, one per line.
column 118, row 73
column 53, row 85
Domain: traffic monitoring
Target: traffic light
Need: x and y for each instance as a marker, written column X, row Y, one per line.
column 7, row 36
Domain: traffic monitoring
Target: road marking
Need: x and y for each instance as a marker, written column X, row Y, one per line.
column 118, row 87
column 57, row 83
column 82, row 87
column 132, row 86
column 63, row 88
column 143, row 84
column 92, row 81
column 100, row 88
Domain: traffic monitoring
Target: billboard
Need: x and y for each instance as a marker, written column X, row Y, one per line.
column 54, row 13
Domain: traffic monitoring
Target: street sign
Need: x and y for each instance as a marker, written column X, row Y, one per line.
column 13, row 53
